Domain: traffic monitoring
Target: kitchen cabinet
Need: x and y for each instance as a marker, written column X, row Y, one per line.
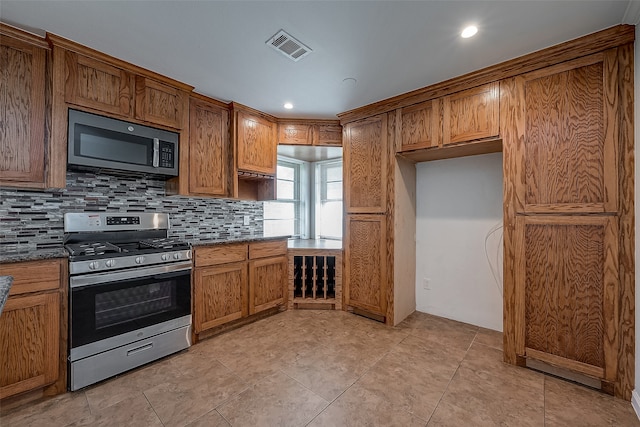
column 421, row 125
column 33, row 328
column 310, row 132
column 568, row 149
column 23, row 141
column 208, row 148
column 471, row 114
column 256, row 143
column 95, row 84
column 567, row 280
column 159, row 103
column 236, row 280
column 365, row 273
column 365, row 165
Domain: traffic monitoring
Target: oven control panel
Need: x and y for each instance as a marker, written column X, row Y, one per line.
column 123, row 220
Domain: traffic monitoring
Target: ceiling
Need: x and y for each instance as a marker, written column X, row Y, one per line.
column 389, row 47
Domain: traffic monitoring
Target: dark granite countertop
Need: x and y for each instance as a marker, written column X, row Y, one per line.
column 240, row 239
column 31, row 254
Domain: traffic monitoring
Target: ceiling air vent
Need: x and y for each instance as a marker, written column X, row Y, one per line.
column 288, row 46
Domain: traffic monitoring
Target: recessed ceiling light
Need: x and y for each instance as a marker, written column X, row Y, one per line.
column 288, row 105
column 470, row 31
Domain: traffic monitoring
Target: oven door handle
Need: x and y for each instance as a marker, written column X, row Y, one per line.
column 134, row 273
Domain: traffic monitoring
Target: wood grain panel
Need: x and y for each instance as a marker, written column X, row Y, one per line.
column 421, row 125
column 22, row 113
column 220, row 295
column 365, row 165
column 97, row 85
column 569, row 277
column 158, row 103
column 365, row 274
column 267, row 283
column 256, row 144
column 471, row 114
column 327, row 134
column 220, row 254
column 570, row 164
column 625, row 330
column 295, row 133
column 208, row 148
column 473, row 148
column 267, row 249
column 602, row 40
column 29, row 343
column 33, row 276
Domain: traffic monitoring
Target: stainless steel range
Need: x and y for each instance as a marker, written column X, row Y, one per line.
column 130, row 293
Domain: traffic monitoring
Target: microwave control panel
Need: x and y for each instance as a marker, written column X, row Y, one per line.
column 167, row 155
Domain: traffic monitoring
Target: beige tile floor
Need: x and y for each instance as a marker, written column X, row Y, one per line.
column 325, row 368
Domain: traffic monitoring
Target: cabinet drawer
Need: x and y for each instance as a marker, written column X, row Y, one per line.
column 267, row 249
column 221, row 254
column 33, row 276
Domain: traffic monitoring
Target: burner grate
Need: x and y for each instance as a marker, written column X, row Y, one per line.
column 92, row 248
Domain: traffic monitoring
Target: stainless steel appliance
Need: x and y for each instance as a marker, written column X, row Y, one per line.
column 98, row 142
column 130, row 293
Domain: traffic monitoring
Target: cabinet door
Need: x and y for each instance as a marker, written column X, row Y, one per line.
column 567, row 292
column 421, row 125
column 257, row 144
column 570, row 136
column 98, row 85
column 29, row 343
column 22, row 113
column 471, row 114
column 365, row 165
column 267, row 283
column 295, row 134
column 158, row 103
column 208, row 148
column 365, row 266
column 327, row 135
column 220, row 295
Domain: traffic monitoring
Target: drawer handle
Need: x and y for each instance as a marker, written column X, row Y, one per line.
column 139, row 349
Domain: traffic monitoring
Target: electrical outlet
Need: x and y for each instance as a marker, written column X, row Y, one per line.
column 426, row 284
column 245, row 220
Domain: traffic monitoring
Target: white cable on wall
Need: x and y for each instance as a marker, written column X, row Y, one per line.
column 495, row 272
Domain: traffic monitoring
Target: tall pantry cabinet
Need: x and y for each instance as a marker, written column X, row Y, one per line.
column 568, row 146
column 379, row 193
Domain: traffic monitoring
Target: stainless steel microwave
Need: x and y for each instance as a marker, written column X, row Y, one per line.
column 102, row 142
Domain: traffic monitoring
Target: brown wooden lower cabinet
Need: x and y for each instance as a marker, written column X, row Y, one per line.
column 365, row 275
column 267, row 283
column 567, row 288
column 234, row 281
column 30, row 328
column 221, row 295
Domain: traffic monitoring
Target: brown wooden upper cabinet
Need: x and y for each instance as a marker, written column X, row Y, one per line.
column 569, row 126
column 208, row 148
column 365, row 165
column 256, row 143
column 421, row 125
column 158, row 103
column 471, row 115
column 22, row 140
column 306, row 132
column 95, row 84
column 567, row 287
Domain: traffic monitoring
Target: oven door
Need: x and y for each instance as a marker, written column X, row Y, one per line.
column 105, row 306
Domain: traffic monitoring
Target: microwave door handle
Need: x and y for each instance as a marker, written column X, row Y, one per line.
column 156, row 152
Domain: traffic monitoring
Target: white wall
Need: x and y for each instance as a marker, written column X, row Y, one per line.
column 458, row 201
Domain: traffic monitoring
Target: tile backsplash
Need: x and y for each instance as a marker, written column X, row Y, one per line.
column 34, row 219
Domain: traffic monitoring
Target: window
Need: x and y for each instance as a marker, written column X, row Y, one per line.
column 286, row 214
column 329, row 200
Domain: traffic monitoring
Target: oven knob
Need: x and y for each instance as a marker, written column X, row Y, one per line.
column 93, row 265
column 177, row 255
column 139, row 260
column 165, row 257
column 110, row 262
